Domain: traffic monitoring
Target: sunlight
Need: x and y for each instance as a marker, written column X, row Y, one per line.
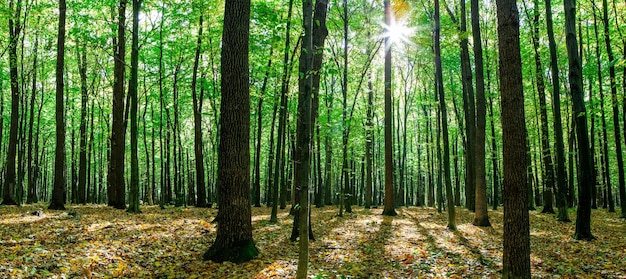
column 398, row 33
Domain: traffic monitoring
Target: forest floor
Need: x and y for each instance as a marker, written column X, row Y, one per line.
column 96, row 241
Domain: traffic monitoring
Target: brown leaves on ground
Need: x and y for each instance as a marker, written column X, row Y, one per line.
column 100, row 242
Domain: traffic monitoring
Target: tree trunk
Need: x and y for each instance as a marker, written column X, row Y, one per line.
column 133, row 194
column 445, row 164
column 516, row 255
column 234, row 234
column 481, row 217
column 116, row 188
column 389, row 209
column 257, row 155
column 81, row 55
column 60, row 182
column 15, row 29
column 201, row 200
column 319, row 37
column 583, row 213
column 615, row 104
column 31, row 196
column 303, row 145
column 280, row 145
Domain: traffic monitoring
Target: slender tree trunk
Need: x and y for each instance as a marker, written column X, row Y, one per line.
column 319, row 37
column 32, row 177
column 201, row 200
column 548, row 178
column 616, row 128
column 605, row 145
column 280, row 145
column 133, row 197
column 118, row 133
column 516, row 255
column 561, row 181
column 481, row 217
column 81, row 55
column 15, row 29
column 257, row 155
column 444, row 123
column 369, row 139
column 583, row 213
column 344, row 93
column 303, row 145
column 329, row 147
column 389, row 209
column 60, row 182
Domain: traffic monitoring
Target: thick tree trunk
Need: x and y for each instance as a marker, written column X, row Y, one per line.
column 389, row 209
column 234, row 233
column 516, row 255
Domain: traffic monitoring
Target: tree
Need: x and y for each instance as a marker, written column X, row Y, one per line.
column 583, row 213
column 319, row 37
column 546, row 156
column 133, row 197
column 303, row 141
column 616, row 128
column 561, row 180
column 389, row 209
column 481, row 218
column 201, row 200
column 280, row 145
column 444, row 122
column 15, row 28
column 58, row 191
column 516, row 255
column 81, row 55
column 116, row 189
column 234, row 240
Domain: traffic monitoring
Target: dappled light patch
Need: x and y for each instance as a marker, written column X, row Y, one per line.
column 100, row 242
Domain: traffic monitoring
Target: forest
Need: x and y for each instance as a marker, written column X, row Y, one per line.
column 312, row 139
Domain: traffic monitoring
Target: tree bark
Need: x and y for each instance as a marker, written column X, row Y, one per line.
column 303, row 135
column 516, row 255
column 15, row 29
column 116, row 188
column 234, row 240
column 389, row 209
column 133, row 194
column 583, row 213
column 481, row 217
column 60, row 180
column 615, row 104
column 201, row 200
column 280, row 145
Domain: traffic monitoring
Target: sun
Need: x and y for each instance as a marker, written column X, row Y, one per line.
column 398, row 33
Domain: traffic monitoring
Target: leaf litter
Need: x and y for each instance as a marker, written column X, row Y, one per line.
column 95, row 241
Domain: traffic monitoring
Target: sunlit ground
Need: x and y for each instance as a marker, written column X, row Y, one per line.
column 100, row 242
